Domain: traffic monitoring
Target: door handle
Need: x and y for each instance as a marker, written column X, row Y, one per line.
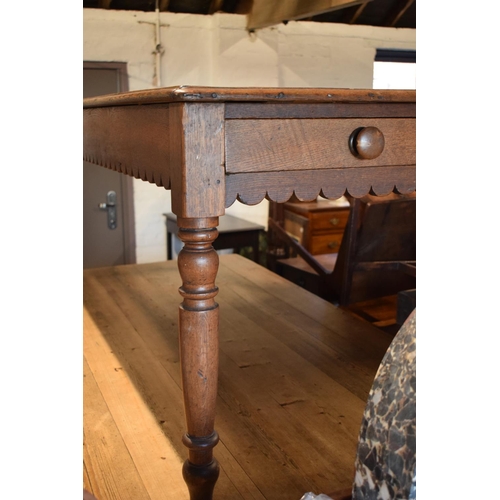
column 110, row 207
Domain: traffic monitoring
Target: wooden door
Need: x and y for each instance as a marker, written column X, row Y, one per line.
column 104, row 245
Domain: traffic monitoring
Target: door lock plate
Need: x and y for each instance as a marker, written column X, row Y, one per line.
column 110, row 207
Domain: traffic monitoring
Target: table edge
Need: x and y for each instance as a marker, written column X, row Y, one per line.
column 184, row 93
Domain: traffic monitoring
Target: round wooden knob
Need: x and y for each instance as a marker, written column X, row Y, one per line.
column 367, row 143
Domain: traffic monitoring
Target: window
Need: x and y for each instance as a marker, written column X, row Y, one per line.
column 394, row 69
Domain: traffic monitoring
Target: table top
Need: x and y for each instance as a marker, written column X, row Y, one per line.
column 294, row 376
column 185, row 93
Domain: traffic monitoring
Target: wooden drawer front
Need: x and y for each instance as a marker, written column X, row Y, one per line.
column 296, row 226
column 326, row 243
column 307, row 144
column 333, row 220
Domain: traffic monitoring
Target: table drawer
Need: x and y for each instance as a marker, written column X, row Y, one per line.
column 326, row 243
column 334, row 220
column 312, row 144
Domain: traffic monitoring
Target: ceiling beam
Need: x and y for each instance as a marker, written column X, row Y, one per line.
column 243, row 6
column 215, row 6
column 358, row 11
column 163, row 7
column 399, row 8
column 265, row 13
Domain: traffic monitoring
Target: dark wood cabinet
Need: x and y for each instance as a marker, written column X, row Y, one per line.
column 319, row 225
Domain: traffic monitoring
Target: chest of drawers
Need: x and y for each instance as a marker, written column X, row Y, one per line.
column 318, row 226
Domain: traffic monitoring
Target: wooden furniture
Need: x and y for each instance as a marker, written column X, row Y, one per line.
column 294, row 377
column 213, row 145
column 406, row 304
column 319, row 225
column 378, row 256
column 298, row 271
column 233, row 233
column 376, row 259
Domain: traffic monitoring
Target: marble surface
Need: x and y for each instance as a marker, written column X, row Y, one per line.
column 386, row 457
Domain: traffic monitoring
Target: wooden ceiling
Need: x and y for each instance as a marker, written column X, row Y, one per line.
column 263, row 13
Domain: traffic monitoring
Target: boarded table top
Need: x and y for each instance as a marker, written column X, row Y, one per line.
column 295, row 372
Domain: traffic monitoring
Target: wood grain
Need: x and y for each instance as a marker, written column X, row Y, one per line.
column 198, row 264
column 187, row 93
column 157, row 461
column 266, row 13
column 149, row 299
column 196, row 159
column 326, row 243
column 252, row 188
column 329, row 220
column 156, row 136
column 308, row 314
column 294, row 374
column 87, row 485
column 254, row 110
column 132, row 141
column 110, row 470
column 277, row 145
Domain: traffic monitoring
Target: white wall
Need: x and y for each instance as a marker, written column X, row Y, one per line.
column 218, row 51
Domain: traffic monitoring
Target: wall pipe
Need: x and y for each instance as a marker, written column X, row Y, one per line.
column 158, row 47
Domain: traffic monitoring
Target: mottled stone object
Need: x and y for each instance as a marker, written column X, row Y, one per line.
column 386, row 457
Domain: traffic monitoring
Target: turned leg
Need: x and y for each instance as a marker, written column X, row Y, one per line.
column 199, row 350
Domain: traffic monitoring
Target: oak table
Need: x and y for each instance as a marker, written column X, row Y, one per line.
column 211, row 146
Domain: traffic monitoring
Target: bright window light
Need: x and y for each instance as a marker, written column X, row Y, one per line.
column 394, row 75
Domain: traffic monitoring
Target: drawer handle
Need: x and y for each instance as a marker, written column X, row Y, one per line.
column 367, row 143
column 334, row 221
column 333, row 244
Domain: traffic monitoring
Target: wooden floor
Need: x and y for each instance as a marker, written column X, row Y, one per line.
column 295, row 372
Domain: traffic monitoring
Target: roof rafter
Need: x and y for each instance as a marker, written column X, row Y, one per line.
column 215, row 6
column 358, row 12
column 265, row 13
column 395, row 14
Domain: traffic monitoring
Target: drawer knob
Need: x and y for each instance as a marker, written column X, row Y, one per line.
column 366, row 143
column 333, row 244
column 334, row 221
